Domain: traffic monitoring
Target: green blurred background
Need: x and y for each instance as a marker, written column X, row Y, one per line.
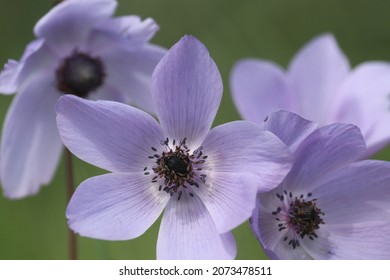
column 35, row 227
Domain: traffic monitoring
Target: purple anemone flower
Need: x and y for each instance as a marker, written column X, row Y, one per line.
column 80, row 49
column 329, row 206
column 320, row 86
column 206, row 180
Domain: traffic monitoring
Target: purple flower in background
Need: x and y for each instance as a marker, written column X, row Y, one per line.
column 80, row 50
column 329, row 206
column 206, row 180
column 320, row 86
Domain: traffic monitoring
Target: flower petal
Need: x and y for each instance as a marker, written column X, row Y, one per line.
column 130, row 70
column 289, row 127
column 187, row 90
column 68, row 23
column 8, row 77
column 258, row 88
column 229, row 198
column 283, row 251
column 242, row 147
column 188, row 232
column 369, row 241
column 109, row 92
column 317, row 71
column 356, row 193
column 321, row 247
column 36, row 57
column 265, row 227
column 110, row 135
column 263, row 223
column 132, row 27
column 327, row 148
column 364, row 101
column 30, row 147
column 116, row 206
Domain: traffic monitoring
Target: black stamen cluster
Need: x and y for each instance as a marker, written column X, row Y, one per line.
column 303, row 217
column 176, row 168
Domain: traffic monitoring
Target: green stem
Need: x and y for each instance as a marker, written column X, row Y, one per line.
column 72, row 242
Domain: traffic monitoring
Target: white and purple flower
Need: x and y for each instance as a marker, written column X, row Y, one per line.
column 329, row 206
column 319, row 86
column 80, row 49
column 206, row 180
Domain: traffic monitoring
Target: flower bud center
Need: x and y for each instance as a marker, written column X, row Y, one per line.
column 79, row 74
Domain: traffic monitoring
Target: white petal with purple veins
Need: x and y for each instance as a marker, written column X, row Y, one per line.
column 188, row 232
column 110, row 135
column 289, row 127
column 117, row 206
column 241, row 147
column 187, row 91
column 229, row 198
column 326, row 149
column 357, row 193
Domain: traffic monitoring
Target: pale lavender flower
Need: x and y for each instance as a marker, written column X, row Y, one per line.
column 319, row 85
column 80, row 50
column 329, row 206
column 206, row 180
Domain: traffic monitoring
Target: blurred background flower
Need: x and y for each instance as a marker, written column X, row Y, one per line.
column 92, row 56
column 35, row 228
column 318, row 85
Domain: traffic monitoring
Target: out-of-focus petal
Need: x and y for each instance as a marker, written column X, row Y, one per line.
column 30, row 147
column 130, row 70
column 117, row 206
column 36, row 58
column 132, row 27
column 110, row 135
column 327, row 148
column 364, row 101
column 188, row 232
column 289, row 127
column 258, row 88
column 241, row 147
column 187, row 91
column 109, row 92
column 316, row 73
column 69, row 22
column 8, row 77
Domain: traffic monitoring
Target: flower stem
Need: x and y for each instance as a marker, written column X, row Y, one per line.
column 72, row 245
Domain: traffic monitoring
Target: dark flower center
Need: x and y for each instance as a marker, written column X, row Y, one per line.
column 301, row 218
column 176, row 169
column 178, row 164
column 305, row 217
column 79, row 74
